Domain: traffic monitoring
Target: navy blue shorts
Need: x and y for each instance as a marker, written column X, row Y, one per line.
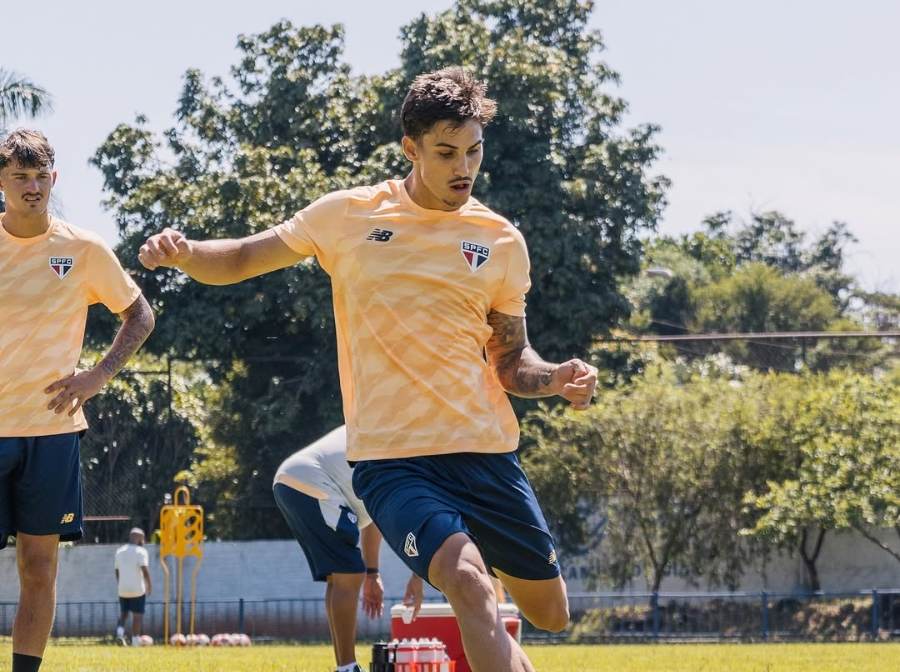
column 418, row 502
column 40, row 486
column 132, row 604
column 328, row 550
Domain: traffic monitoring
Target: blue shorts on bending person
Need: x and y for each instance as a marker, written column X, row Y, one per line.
column 40, row 486
column 419, row 502
column 326, row 531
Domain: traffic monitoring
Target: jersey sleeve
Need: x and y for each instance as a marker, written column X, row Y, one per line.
column 145, row 558
column 510, row 296
column 108, row 283
column 313, row 231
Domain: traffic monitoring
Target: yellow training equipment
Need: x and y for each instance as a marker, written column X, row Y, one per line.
column 181, row 536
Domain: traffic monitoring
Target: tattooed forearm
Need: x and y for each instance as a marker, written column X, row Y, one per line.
column 137, row 323
column 520, row 369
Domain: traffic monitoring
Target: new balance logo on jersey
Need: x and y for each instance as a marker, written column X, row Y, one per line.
column 475, row 255
column 66, row 519
column 61, row 266
column 410, row 546
column 380, row 235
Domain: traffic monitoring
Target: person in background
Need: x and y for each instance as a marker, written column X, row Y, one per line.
column 314, row 492
column 133, row 580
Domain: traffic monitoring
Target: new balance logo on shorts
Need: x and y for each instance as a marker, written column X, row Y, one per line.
column 380, row 235
column 552, row 559
column 410, row 546
column 66, row 519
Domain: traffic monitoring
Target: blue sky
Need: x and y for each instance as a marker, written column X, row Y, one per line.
column 781, row 105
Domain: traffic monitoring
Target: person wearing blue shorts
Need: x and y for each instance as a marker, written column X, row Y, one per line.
column 50, row 272
column 428, row 288
column 313, row 490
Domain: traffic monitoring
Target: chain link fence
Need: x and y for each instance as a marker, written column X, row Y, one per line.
column 872, row 615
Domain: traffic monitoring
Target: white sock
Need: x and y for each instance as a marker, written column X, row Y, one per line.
column 349, row 667
column 120, row 631
column 135, row 641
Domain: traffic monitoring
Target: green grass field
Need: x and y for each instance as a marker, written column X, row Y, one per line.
column 618, row 658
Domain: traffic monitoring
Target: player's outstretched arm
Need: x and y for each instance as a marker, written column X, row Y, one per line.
column 218, row 262
column 523, row 373
column 72, row 391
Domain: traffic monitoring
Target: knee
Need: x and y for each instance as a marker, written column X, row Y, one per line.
column 552, row 616
column 346, row 584
column 37, row 572
column 466, row 584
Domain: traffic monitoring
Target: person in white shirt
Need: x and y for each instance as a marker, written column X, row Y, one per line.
column 313, row 489
column 133, row 579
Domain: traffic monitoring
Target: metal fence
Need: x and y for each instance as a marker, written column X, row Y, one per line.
column 852, row 616
column 823, row 616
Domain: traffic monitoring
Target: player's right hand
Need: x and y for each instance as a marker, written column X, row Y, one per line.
column 415, row 593
column 169, row 248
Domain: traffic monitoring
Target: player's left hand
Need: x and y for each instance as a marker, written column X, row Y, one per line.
column 75, row 389
column 576, row 381
column 373, row 596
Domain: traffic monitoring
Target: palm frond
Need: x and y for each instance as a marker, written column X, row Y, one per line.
column 19, row 97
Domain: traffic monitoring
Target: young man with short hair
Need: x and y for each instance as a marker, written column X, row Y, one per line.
column 133, row 584
column 50, row 272
column 313, row 489
column 426, row 280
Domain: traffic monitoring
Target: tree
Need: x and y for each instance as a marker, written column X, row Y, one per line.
column 292, row 124
column 841, row 441
column 145, row 427
column 703, row 264
column 664, row 462
column 757, row 298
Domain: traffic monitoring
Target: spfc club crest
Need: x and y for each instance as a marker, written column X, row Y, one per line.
column 61, row 266
column 475, row 255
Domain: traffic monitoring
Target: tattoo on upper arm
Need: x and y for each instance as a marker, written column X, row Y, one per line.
column 137, row 323
column 510, row 335
column 519, row 367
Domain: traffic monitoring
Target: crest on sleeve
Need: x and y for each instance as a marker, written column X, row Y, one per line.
column 61, row 266
column 475, row 255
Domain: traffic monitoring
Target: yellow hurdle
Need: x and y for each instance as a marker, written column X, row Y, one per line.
column 181, row 536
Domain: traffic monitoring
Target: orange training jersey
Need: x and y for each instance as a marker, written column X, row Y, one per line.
column 412, row 291
column 46, row 285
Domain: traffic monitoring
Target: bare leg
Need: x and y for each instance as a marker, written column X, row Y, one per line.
column 137, row 624
column 458, row 571
column 344, row 607
column 36, row 557
column 498, row 590
column 330, row 615
column 544, row 603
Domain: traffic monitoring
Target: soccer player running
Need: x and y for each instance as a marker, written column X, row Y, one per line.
column 50, row 272
column 313, row 489
column 426, row 280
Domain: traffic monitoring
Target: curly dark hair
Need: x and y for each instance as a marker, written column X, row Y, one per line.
column 27, row 148
column 450, row 94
